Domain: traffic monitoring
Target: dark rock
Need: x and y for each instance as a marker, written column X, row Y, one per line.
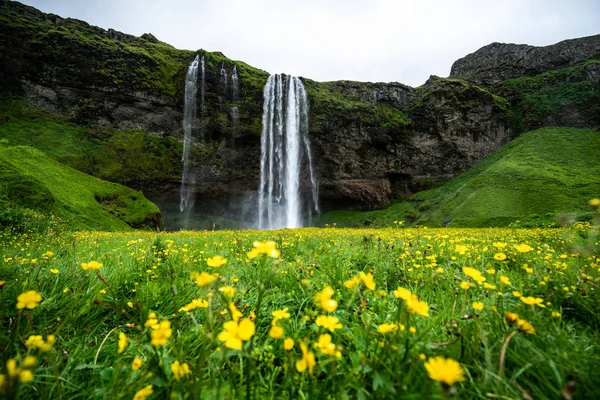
column 497, row 62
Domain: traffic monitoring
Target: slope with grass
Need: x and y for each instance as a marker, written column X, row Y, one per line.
column 531, row 181
column 30, row 180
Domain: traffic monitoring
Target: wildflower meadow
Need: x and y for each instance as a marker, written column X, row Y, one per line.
column 304, row 313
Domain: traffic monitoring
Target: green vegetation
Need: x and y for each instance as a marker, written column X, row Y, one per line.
column 331, row 101
column 31, row 183
column 463, row 93
column 539, row 100
column 126, row 157
column 512, row 313
column 534, row 179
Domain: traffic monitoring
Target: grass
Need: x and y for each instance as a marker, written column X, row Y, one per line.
column 31, row 180
column 126, row 157
column 145, row 273
column 532, row 181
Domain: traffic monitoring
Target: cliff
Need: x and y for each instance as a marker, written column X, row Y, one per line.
column 371, row 142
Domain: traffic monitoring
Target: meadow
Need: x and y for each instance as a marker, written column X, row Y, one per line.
column 306, row 313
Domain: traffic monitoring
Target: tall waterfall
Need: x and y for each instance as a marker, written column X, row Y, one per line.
column 223, row 77
column 234, row 84
column 284, row 142
column 189, row 115
column 202, row 84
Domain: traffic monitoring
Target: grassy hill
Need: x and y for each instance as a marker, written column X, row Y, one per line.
column 32, row 182
column 534, row 179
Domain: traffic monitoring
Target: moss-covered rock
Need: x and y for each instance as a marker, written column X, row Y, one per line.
column 31, row 180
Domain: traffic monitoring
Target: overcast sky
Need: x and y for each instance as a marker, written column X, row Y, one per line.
column 364, row 40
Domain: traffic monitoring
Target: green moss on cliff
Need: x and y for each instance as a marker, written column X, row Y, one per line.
column 463, row 93
column 127, row 157
column 329, row 101
column 542, row 99
column 31, row 180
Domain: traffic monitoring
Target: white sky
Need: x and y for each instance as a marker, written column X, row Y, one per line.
column 363, row 40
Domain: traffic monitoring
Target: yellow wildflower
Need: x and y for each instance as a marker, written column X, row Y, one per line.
column 152, row 321
column 307, row 360
column 500, row 256
column 489, row 286
column 504, row 280
column 511, row 317
column 516, row 293
column 25, row 376
column 235, row 332
column 194, row 304
column 276, row 332
column 461, row 249
column 280, row 314
column 288, row 344
column 523, row 248
column 136, row 364
column 29, row 299
column 269, row 248
column 123, row 341
column 416, row 306
column 402, row 293
column 367, row 280
column 525, row 326
column 328, row 322
column 143, row 393
column 555, row 314
column 29, row 362
column 324, row 299
column 11, row 368
column 474, row 274
column 445, row 370
column 54, row 270
column 180, row 370
column 216, row 261
column 533, row 301
column 351, row 283
column 478, row 305
column 235, row 313
column 161, row 334
column 466, row 285
column 91, row 265
column 203, row 278
column 228, row 291
column 325, row 346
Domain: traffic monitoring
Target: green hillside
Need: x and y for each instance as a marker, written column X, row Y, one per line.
column 534, row 179
column 31, row 181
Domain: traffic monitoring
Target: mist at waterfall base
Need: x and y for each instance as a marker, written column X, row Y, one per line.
column 287, row 191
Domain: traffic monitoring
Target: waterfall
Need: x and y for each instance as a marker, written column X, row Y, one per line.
column 234, row 84
column 284, row 143
column 189, row 115
column 223, row 77
column 202, row 84
column 234, row 112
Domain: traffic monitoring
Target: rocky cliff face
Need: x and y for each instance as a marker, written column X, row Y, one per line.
column 498, row 62
column 370, row 141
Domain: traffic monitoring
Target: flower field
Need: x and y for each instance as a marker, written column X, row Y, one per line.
column 306, row 313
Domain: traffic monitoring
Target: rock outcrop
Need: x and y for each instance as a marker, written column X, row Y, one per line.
column 498, row 62
column 371, row 142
